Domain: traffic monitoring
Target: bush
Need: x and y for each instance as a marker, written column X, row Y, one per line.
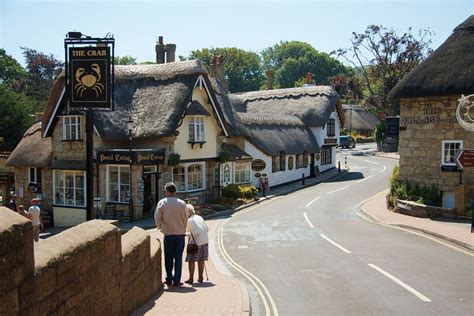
column 248, row 192
column 379, row 132
column 231, row 191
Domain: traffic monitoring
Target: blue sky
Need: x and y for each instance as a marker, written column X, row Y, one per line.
column 251, row 25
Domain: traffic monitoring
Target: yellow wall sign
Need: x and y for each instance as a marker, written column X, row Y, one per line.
column 89, row 77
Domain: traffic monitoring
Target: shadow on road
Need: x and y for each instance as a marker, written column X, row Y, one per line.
column 349, row 176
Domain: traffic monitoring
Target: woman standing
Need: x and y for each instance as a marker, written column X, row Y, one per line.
column 197, row 233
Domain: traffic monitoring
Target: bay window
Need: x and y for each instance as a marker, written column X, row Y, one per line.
column 242, row 172
column 189, row 177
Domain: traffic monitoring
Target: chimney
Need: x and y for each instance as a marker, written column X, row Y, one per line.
column 269, row 74
column 160, row 51
column 220, row 72
column 212, row 67
column 308, row 80
column 170, row 53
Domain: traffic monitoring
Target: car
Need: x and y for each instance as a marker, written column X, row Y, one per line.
column 346, row 141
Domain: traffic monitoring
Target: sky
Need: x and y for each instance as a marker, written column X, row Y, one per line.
column 250, row 25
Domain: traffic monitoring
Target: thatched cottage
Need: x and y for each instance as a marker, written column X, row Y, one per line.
column 430, row 134
column 359, row 119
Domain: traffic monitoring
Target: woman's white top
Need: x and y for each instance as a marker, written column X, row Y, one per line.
column 198, row 228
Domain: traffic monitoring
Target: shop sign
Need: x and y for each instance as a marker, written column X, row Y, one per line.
column 89, row 77
column 449, row 168
column 114, row 157
column 149, row 157
column 330, row 141
column 393, row 126
column 258, row 165
column 258, row 175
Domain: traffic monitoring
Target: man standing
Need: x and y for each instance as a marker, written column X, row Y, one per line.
column 171, row 217
column 34, row 214
column 12, row 204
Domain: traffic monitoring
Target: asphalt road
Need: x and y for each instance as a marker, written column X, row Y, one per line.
column 310, row 253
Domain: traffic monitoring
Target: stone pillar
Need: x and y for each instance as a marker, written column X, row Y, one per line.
column 460, row 199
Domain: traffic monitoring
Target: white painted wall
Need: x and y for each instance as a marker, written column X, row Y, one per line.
column 66, row 217
column 277, row 177
column 320, row 134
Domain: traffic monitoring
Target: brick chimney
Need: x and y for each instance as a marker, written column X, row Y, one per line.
column 160, row 51
column 170, row 53
column 269, row 74
column 220, row 71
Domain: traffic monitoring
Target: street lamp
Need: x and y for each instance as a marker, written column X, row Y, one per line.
column 130, row 125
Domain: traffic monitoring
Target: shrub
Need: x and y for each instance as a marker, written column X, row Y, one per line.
column 248, row 192
column 231, row 191
column 379, row 132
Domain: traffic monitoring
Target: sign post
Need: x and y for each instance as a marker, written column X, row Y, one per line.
column 465, row 159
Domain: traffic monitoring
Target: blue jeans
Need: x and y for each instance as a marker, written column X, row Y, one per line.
column 174, row 247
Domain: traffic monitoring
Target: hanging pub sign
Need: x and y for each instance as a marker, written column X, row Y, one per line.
column 89, row 77
column 258, row 165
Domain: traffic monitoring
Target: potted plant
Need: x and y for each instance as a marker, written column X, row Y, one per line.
column 173, row 159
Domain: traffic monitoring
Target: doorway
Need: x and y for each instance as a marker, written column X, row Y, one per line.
column 150, row 197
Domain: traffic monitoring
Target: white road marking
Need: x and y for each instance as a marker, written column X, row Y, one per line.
column 252, row 278
column 338, row 189
column 312, row 201
column 335, row 244
column 401, row 283
column 307, row 220
column 243, row 247
column 365, row 179
column 384, row 168
column 375, row 163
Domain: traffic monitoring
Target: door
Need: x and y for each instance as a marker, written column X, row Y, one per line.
column 150, row 197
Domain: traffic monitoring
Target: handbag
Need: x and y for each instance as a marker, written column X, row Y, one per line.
column 192, row 249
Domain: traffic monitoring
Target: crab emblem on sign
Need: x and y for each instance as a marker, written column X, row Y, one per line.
column 88, row 80
column 465, row 112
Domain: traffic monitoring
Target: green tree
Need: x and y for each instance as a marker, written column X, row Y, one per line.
column 11, row 72
column 243, row 68
column 42, row 71
column 382, row 58
column 15, row 116
column 125, row 60
column 290, row 61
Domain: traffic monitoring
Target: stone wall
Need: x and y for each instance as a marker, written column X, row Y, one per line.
column 424, row 124
column 418, row 210
column 89, row 269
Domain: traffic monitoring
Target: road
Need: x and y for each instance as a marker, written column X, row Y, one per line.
column 310, row 253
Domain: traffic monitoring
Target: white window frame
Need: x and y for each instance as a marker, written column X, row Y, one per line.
column 196, row 125
column 55, row 185
column 36, row 176
column 241, row 172
column 68, row 126
column 107, row 184
column 443, row 146
column 186, row 178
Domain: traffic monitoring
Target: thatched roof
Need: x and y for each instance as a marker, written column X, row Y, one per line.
column 155, row 97
column 449, row 70
column 313, row 105
column 32, row 151
column 273, row 133
column 359, row 118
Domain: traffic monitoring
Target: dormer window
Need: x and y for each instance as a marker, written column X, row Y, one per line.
column 331, row 127
column 72, row 129
column 196, row 129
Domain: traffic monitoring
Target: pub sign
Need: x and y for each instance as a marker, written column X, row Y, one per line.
column 89, row 77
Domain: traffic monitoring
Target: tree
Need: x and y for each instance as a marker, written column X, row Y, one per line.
column 290, row 61
column 348, row 87
column 15, row 116
column 243, row 68
column 11, row 72
column 383, row 58
column 42, row 71
column 125, row 60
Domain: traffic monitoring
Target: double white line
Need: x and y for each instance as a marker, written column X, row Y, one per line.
column 259, row 286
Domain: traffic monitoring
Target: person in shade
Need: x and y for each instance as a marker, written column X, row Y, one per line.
column 197, row 233
column 12, row 204
column 171, row 216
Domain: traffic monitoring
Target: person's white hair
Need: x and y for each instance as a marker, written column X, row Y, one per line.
column 191, row 210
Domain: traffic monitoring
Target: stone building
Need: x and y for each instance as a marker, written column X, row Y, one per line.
column 430, row 134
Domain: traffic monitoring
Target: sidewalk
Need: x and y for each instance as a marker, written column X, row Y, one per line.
column 456, row 232
column 222, row 294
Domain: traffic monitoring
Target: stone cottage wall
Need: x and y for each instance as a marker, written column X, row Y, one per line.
column 90, row 269
column 424, row 124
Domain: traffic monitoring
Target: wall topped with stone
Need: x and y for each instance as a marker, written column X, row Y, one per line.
column 88, row 269
column 419, row 210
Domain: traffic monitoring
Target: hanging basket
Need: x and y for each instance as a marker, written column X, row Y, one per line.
column 173, row 159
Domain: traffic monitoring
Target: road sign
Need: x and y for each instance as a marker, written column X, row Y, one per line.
column 465, row 159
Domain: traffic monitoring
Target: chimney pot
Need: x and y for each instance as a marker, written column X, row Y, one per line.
column 170, row 53
column 160, row 40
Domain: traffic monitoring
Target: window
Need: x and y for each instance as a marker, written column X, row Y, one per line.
column 290, row 163
column 35, row 176
column 226, row 175
column 326, row 155
column 305, row 159
column 196, row 129
column 331, row 127
column 72, row 128
column 275, row 163
column 449, row 150
column 242, row 172
column 69, row 188
column 299, row 161
column 282, row 161
column 118, row 184
column 189, row 177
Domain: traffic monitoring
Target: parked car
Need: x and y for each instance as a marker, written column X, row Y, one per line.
column 346, row 141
